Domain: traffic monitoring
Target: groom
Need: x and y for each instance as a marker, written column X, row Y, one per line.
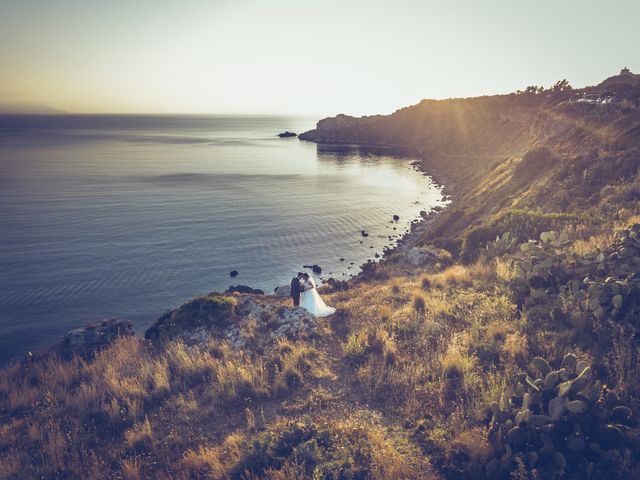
column 296, row 288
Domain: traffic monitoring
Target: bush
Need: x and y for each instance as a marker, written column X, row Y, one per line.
column 419, row 304
column 535, row 162
column 523, row 224
column 215, row 311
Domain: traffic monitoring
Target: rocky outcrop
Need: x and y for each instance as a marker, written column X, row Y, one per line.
column 283, row 291
column 92, row 338
column 244, row 289
column 241, row 320
column 287, row 134
column 419, row 256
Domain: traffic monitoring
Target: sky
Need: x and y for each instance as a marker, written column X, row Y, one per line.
column 301, row 56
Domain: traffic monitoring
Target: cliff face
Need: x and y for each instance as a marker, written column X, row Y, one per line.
column 582, row 143
column 488, row 128
column 472, row 130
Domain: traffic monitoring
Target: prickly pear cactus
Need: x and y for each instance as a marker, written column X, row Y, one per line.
column 502, row 245
column 558, row 421
column 603, row 286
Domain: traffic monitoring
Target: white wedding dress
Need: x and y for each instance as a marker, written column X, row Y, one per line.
column 312, row 301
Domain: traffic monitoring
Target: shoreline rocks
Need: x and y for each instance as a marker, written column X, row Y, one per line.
column 243, row 289
column 314, row 268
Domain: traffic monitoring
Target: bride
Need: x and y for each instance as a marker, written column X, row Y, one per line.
column 311, row 298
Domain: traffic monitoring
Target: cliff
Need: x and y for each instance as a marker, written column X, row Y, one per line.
column 559, row 150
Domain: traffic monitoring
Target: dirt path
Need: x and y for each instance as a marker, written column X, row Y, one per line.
column 335, row 396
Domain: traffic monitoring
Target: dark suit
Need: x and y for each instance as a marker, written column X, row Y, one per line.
column 295, row 291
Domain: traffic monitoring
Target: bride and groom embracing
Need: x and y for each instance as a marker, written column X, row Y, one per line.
column 305, row 295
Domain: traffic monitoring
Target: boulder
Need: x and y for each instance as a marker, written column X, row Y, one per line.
column 418, row 256
column 287, row 134
column 294, row 323
column 333, row 285
column 249, row 307
column 244, row 289
column 233, row 273
column 315, row 268
column 87, row 340
column 283, row 291
column 396, row 218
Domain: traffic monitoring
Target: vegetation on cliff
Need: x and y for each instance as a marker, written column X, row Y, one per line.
column 514, row 355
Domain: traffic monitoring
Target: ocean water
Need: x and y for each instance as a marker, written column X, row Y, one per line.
column 128, row 216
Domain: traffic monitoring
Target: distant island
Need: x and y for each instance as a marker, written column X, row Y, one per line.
column 499, row 340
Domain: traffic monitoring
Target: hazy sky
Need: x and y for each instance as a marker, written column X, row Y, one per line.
column 299, row 56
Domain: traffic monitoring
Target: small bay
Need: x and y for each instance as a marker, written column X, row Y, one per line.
column 128, row 216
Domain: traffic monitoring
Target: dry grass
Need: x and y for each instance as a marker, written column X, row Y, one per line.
column 132, row 468
column 215, row 461
column 462, row 275
column 140, row 436
column 631, row 220
column 112, row 401
column 593, row 244
column 356, row 441
column 455, row 276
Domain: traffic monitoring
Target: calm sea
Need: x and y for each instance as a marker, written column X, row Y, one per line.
column 128, row 216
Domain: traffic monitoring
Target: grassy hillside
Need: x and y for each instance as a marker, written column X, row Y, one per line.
column 516, row 357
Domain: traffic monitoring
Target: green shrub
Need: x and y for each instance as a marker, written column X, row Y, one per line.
column 521, row 224
column 535, row 162
column 318, row 452
column 214, row 311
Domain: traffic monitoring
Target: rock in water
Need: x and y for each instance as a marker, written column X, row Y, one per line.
column 244, row 289
column 396, row 218
column 87, row 340
column 287, row 134
column 316, row 269
column 233, row 273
